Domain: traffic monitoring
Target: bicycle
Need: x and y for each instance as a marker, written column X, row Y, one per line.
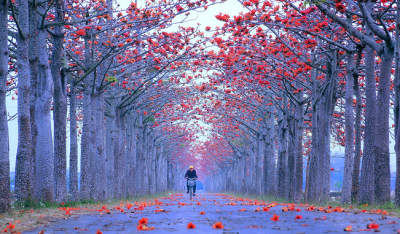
column 191, row 183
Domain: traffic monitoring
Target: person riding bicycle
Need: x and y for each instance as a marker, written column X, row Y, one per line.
column 191, row 173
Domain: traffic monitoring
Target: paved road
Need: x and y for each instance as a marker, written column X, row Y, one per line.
column 175, row 216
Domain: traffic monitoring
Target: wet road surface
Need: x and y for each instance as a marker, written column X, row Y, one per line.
column 237, row 215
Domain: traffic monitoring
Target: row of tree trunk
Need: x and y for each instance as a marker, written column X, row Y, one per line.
column 273, row 160
column 120, row 156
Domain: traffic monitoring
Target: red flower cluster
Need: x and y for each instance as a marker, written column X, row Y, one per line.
column 339, row 6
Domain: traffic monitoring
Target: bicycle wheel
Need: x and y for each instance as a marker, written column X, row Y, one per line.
column 191, row 192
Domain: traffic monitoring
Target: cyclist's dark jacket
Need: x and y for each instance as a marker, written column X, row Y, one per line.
column 190, row 174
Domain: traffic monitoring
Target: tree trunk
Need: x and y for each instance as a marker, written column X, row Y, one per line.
column 160, row 169
column 267, row 164
column 247, row 171
column 44, row 186
column 313, row 171
column 120, row 156
column 325, row 117
column 367, row 194
column 73, row 148
column 60, row 110
column 85, row 182
column 349, row 131
column 282, row 155
column 153, row 153
column 382, row 156
column 170, row 179
column 251, row 170
column 272, row 149
column 93, row 163
column 397, row 109
column 165, row 174
column 259, row 165
column 99, row 156
column 133, row 174
column 129, row 155
column 33, row 66
column 5, row 202
column 290, row 175
column 298, row 150
column 357, row 150
column 146, row 160
column 110, row 143
column 141, row 166
column 23, row 168
column 117, row 156
column 122, row 146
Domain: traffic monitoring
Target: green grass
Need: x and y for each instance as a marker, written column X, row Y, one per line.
column 265, row 198
column 30, row 214
column 389, row 207
column 32, row 204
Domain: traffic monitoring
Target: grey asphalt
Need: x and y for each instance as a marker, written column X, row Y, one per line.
column 176, row 218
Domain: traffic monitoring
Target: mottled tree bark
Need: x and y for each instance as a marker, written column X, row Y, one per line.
column 259, row 163
column 93, row 159
column 349, row 131
column 110, row 149
column 33, row 66
column 120, row 154
column 129, row 155
column 397, row 109
column 325, row 117
column 134, row 164
column 267, row 164
column 153, row 154
column 85, row 182
column 357, row 126
column 5, row 202
column 59, row 109
column 170, row 183
column 73, row 148
column 381, row 136
column 290, row 175
column 250, row 169
column 159, row 169
column 100, row 172
column 23, row 167
column 140, row 159
column 282, row 154
column 382, row 156
column 357, row 147
column 367, row 194
column 44, row 186
column 272, row 185
column 298, row 149
column 117, row 156
column 313, row 170
column 145, row 162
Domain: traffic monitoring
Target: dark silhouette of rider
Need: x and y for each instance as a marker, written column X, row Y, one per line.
column 191, row 173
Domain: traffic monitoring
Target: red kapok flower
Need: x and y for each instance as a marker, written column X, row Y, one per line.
column 373, row 226
column 348, row 228
column 143, row 220
column 218, row 225
column 11, row 226
column 191, row 226
column 275, row 218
